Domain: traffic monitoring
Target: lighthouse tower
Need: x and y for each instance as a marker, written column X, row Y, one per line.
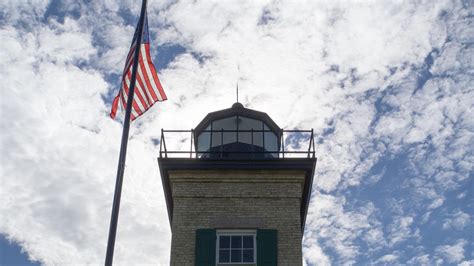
column 240, row 194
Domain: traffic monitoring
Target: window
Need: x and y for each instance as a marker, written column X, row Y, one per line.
column 224, row 124
column 236, row 247
column 204, row 140
column 247, row 124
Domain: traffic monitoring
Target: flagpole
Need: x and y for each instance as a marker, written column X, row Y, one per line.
column 123, row 148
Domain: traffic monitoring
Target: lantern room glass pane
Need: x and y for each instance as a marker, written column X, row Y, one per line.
column 204, row 140
column 229, row 123
column 271, row 142
column 249, row 124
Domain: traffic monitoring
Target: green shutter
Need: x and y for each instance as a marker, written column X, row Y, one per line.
column 267, row 247
column 205, row 247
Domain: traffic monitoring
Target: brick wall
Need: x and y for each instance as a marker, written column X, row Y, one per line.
column 229, row 199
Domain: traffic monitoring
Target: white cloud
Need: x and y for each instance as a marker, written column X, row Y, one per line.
column 462, row 195
column 64, row 42
column 314, row 255
column 388, row 259
column 457, row 220
column 436, row 203
column 452, row 253
column 14, row 11
column 338, row 228
column 420, row 260
column 466, row 263
column 400, row 230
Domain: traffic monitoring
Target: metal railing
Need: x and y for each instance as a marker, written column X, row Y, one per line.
column 291, row 143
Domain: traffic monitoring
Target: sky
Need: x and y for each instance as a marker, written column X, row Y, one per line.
column 386, row 86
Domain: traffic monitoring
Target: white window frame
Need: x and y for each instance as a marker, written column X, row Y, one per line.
column 252, row 233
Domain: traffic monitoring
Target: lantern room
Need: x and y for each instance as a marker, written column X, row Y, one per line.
column 237, row 133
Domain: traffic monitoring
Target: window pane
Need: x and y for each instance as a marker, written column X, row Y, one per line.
column 258, row 138
column 248, row 241
column 224, row 256
column 226, row 124
column 248, row 255
column 236, row 256
column 245, row 137
column 204, row 140
column 271, row 143
column 236, row 242
column 229, row 137
column 229, row 123
column 216, row 138
column 224, row 242
column 248, row 124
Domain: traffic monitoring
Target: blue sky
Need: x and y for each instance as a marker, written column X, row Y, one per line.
column 12, row 254
column 386, row 85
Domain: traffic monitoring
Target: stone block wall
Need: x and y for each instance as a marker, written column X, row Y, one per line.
column 224, row 199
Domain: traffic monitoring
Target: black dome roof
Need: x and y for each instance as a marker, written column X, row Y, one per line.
column 237, row 109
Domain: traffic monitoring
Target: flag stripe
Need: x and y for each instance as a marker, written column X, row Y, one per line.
column 155, row 76
column 149, row 76
column 124, row 94
column 142, row 87
column 129, row 60
column 138, row 103
column 114, row 106
column 143, row 81
column 146, row 79
column 141, row 98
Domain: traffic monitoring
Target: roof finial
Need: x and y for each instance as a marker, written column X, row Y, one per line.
column 237, row 90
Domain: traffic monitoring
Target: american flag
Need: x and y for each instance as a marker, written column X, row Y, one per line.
column 148, row 89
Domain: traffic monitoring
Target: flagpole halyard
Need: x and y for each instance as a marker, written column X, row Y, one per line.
column 123, row 148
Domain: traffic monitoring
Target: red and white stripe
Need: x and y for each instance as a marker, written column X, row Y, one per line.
column 148, row 89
